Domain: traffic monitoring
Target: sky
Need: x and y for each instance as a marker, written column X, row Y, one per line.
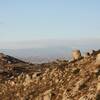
column 26, row 21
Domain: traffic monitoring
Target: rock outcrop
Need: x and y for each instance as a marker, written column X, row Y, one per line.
column 59, row 80
column 76, row 54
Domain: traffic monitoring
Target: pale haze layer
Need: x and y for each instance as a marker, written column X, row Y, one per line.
column 49, row 23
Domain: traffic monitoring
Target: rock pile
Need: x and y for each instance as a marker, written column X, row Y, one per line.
column 60, row 80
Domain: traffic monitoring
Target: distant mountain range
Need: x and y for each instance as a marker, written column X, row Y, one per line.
column 39, row 54
column 46, row 54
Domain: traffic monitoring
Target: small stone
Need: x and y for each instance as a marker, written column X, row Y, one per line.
column 98, row 96
column 27, row 80
column 86, row 55
column 79, row 85
column 83, row 98
column 92, row 52
column 76, row 70
column 47, row 95
column 97, row 71
column 98, row 87
column 12, row 83
column 99, row 78
column 9, row 62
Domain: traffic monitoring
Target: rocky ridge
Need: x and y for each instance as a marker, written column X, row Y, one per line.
column 78, row 79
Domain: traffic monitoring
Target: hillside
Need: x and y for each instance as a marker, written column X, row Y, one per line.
column 58, row 80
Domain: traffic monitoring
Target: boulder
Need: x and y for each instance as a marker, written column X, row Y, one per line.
column 86, row 55
column 76, row 54
column 92, row 52
column 98, row 86
column 98, row 59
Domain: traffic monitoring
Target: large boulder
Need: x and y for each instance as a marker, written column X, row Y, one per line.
column 76, row 54
column 98, row 59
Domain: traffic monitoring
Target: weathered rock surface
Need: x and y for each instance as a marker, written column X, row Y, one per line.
column 59, row 80
column 98, row 59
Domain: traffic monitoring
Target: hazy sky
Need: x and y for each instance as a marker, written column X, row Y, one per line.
column 27, row 20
